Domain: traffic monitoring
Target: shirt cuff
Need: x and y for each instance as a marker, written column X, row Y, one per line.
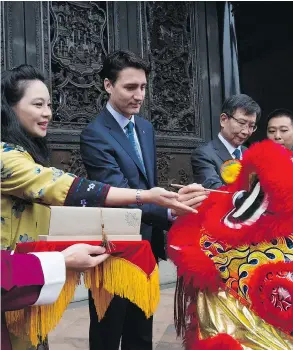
column 170, row 216
column 54, row 271
column 86, row 193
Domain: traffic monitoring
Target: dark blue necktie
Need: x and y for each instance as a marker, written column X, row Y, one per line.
column 237, row 153
column 130, row 134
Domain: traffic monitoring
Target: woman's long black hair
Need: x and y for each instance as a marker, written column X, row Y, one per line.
column 13, row 85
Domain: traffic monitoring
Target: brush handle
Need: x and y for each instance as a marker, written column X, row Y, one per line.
column 206, row 189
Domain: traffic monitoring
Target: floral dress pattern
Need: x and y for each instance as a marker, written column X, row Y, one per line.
column 27, row 191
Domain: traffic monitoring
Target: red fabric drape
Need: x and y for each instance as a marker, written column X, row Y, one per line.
column 138, row 253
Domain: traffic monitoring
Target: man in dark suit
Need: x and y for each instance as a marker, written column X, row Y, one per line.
column 119, row 148
column 238, row 119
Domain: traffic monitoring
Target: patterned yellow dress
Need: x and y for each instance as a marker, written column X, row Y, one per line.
column 27, row 189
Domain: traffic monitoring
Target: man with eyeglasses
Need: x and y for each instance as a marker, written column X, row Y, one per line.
column 238, row 119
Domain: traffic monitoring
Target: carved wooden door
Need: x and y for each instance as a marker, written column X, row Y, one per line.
column 68, row 40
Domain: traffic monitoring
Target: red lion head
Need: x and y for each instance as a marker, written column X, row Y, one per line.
column 257, row 208
column 260, row 206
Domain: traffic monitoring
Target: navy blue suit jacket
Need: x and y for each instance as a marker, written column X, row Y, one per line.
column 109, row 157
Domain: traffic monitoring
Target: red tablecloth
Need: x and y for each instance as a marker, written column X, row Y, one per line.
column 138, row 253
column 130, row 272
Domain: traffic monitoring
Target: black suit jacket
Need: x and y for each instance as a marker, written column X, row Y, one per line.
column 206, row 162
column 109, row 157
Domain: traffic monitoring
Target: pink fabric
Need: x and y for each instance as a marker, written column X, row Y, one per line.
column 21, row 283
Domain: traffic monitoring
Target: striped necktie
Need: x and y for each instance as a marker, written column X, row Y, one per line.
column 130, row 134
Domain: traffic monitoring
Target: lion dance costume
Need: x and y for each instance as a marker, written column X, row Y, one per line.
column 235, row 258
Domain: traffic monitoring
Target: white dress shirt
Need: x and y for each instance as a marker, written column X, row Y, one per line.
column 229, row 147
column 123, row 121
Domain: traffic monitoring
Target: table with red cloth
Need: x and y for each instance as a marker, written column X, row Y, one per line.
column 130, row 272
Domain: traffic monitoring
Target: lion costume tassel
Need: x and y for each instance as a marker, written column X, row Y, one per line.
column 235, row 259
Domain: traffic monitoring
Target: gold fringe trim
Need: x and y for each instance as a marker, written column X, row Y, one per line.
column 125, row 279
column 38, row 321
column 115, row 276
column 15, row 321
column 101, row 297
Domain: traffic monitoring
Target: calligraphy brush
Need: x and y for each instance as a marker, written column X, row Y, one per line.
column 206, row 189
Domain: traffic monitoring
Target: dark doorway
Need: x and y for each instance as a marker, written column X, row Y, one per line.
column 265, row 46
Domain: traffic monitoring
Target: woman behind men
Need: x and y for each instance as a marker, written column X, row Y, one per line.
column 26, row 178
column 280, row 127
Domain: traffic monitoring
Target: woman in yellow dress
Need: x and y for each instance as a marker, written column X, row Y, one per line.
column 27, row 180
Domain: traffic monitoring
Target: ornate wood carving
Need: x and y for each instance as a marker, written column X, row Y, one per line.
column 173, row 167
column 79, row 43
column 75, row 164
column 3, row 61
column 71, row 39
column 173, row 81
column 174, row 101
column 9, row 53
column 46, row 39
column 163, row 166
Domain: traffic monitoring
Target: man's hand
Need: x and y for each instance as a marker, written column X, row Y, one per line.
column 80, row 257
column 192, row 196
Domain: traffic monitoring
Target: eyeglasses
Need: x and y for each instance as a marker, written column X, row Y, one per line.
column 244, row 125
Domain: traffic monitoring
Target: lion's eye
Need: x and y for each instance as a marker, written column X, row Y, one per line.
column 239, row 198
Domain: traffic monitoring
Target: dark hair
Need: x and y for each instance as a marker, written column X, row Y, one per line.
column 280, row 112
column 243, row 102
column 118, row 60
column 13, row 85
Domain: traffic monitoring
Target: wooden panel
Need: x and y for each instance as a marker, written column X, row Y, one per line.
column 214, row 65
column 14, row 33
column 68, row 42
